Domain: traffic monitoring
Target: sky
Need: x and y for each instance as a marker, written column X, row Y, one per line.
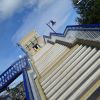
column 19, row 17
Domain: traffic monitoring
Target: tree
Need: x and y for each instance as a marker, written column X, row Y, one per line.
column 88, row 10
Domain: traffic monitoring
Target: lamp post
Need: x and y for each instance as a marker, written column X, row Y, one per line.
column 53, row 23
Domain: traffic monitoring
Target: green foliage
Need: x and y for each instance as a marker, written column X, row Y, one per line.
column 89, row 11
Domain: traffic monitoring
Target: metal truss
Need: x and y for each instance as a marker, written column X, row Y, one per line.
column 13, row 72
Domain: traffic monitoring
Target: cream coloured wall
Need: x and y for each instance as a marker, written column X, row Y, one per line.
column 28, row 37
column 32, row 36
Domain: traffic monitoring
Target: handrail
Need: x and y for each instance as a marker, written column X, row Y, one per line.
column 27, row 86
column 85, row 27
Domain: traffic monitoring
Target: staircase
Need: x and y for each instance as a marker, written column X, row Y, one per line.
column 68, row 72
column 53, row 55
column 66, row 68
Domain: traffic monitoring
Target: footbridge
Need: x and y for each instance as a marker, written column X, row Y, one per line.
column 66, row 68
column 8, row 76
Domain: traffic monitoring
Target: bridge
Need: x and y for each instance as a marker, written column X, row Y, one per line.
column 8, row 76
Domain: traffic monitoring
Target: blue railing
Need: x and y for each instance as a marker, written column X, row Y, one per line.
column 13, row 72
column 84, row 27
column 27, row 86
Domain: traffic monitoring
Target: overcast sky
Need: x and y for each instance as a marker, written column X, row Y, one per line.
column 19, row 17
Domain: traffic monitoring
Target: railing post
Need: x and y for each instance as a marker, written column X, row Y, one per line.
column 27, row 86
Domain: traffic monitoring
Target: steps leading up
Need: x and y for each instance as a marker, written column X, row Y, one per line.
column 62, row 59
column 61, row 66
column 66, row 69
column 67, row 73
column 42, row 52
column 49, row 57
column 70, row 81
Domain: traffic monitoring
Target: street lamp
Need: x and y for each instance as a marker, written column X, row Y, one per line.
column 53, row 23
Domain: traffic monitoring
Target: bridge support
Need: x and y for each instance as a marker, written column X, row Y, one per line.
column 28, row 90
